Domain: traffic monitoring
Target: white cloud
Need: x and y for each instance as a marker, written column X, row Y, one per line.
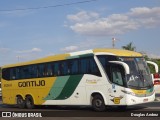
column 4, row 50
column 70, row 48
column 30, row 51
column 83, row 16
column 88, row 44
column 36, row 50
column 144, row 12
column 155, row 56
column 146, row 17
column 92, row 24
column 26, row 55
column 104, row 27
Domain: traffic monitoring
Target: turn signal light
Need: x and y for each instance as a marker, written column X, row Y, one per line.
column 156, row 75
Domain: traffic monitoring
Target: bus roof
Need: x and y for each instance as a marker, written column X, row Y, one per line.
column 117, row 52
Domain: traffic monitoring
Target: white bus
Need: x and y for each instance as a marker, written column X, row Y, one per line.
column 98, row 77
column 156, row 80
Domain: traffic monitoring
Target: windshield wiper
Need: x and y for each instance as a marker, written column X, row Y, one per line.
column 143, row 79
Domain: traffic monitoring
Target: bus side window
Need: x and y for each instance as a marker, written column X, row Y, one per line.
column 117, row 74
column 104, row 60
column 44, row 70
column 25, row 72
column 34, row 71
column 49, row 70
column 31, row 71
column 41, row 71
column 93, row 67
column 63, row 68
column 73, row 66
column 83, row 66
column 6, row 74
column 56, row 69
column 21, row 73
column 18, row 73
column 89, row 66
column 13, row 73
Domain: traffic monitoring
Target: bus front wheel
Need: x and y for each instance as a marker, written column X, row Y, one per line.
column 29, row 102
column 20, row 102
column 98, row 103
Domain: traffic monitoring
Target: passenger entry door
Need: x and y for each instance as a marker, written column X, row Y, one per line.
column 117, row 77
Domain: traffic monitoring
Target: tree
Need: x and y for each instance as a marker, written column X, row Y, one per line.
column 157, row 61
column 129, row 47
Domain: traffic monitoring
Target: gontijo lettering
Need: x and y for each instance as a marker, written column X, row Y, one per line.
column 31, row 83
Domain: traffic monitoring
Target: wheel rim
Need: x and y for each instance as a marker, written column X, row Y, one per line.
column 98, row 103
column 29, row 102
column 19, row 101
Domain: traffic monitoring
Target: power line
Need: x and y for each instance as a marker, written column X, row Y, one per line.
column 45, row 7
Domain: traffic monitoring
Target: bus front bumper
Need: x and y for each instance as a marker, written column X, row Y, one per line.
column 133, row 100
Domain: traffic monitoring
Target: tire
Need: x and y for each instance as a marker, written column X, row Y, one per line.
column 29, row 102
column 98, row 103
column 20, row 102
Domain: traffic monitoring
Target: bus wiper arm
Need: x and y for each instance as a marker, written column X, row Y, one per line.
column 142, row 76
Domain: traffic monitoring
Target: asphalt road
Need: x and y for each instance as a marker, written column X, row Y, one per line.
column 76, row 112
column 154, row 106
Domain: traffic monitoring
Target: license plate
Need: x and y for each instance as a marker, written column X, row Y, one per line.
column 145, row 100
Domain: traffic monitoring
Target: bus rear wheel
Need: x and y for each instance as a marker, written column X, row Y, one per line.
column 29, row 102
column 20, row 102
column 98, row 103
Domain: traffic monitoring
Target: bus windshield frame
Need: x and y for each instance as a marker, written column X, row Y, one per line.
column 139, row 77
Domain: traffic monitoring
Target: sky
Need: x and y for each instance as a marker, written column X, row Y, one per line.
column 31, row 29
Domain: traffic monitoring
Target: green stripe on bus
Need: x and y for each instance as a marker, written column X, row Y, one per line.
column 150, row 90
column 80, row 56
column 72, row 57
column 70, row 87
column 57, row 87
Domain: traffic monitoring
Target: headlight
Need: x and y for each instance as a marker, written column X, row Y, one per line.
column 127, row 92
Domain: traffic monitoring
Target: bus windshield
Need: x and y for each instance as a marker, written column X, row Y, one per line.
column 139, row 76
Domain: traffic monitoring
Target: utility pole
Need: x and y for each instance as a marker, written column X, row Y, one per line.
column 18, row 57
column 113, row 42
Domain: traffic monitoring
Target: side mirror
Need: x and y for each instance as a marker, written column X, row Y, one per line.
column 125, row 66
column 154, row 64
